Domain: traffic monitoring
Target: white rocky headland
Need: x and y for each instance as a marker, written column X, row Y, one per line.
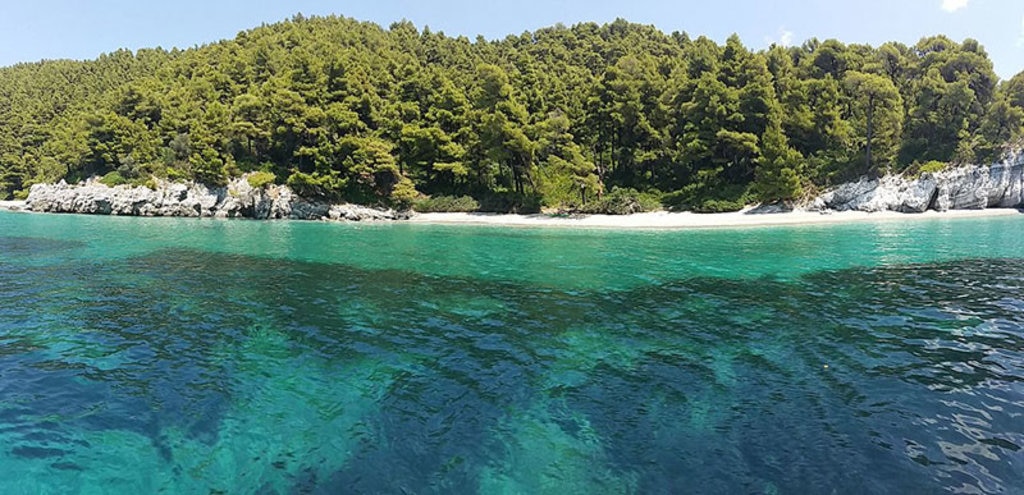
column 974, row 187
column 236, row 200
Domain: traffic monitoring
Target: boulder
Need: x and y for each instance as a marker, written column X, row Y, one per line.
column 356, row 213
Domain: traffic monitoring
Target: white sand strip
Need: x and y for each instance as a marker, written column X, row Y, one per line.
column 666, row 220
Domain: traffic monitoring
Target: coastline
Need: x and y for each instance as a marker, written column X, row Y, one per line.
column 970, row 191
column 663, row 220
column 689, row 220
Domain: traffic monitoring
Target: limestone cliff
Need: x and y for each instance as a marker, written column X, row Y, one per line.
column 1000, row 185
column 237, row 200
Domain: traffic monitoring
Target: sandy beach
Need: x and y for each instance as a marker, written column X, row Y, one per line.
column 686, row 220
column 668, row 220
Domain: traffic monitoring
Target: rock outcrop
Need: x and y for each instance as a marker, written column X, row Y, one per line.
column 975, row 187
column 999, row 185
column 237, row 200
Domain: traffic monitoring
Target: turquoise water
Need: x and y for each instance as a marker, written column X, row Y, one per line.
column 204, row 356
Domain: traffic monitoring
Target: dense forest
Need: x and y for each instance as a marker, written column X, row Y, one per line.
column 560, row 117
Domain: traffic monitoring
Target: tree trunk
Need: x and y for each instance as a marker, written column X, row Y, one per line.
column 871, row 127
column 611, row 155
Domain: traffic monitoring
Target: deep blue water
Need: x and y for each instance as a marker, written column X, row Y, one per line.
column 181, row 356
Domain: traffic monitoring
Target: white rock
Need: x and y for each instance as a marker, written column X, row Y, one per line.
column 972, row 187
column 238, row 199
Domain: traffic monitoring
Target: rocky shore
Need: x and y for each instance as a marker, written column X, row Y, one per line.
column 975, row 187
column 236, row 200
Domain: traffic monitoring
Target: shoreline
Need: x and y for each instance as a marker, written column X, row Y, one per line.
column 687, row 220
column 660, row 220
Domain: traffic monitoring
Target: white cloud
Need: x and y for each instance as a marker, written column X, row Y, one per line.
column 786, row 38
column 954, row 5
column 783, row 38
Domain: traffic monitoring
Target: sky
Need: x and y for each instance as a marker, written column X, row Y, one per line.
column 32, row 30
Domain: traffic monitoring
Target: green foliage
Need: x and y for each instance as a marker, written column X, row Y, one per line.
column 329, row 186
column 877, row 115
column 624, row 201
column 404, row 194
column 778, row 173
column 918, row 169
column 113, row 179
column 709, row 199
column 445, row 204
column 347, row 110
column 258, row 180
column 932, row 167
column 510, row 202
column 719, row 206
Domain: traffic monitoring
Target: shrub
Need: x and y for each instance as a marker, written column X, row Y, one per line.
column 329, row 186
column 147, row 181
column 113, row 179
column 510, row 202
column 708, row 200
column 932, row 167
column 676, row 200
column 916, row 169
column 403, row 194
column 258, row 180
column 624, row 202
column 445, row 204
column 174, row 174
column 719, row 206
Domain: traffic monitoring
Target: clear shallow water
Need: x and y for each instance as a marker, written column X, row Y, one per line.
column 181, row 356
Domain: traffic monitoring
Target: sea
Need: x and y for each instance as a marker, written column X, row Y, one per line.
column 180, row 356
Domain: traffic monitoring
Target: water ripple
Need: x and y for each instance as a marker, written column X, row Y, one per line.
column 236, row 373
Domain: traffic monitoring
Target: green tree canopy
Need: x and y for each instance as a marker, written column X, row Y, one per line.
column 349, row 110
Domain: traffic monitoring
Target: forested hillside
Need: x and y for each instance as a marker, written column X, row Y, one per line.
column 346, row 110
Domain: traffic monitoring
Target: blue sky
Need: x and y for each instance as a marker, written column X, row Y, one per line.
column 31, row 30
